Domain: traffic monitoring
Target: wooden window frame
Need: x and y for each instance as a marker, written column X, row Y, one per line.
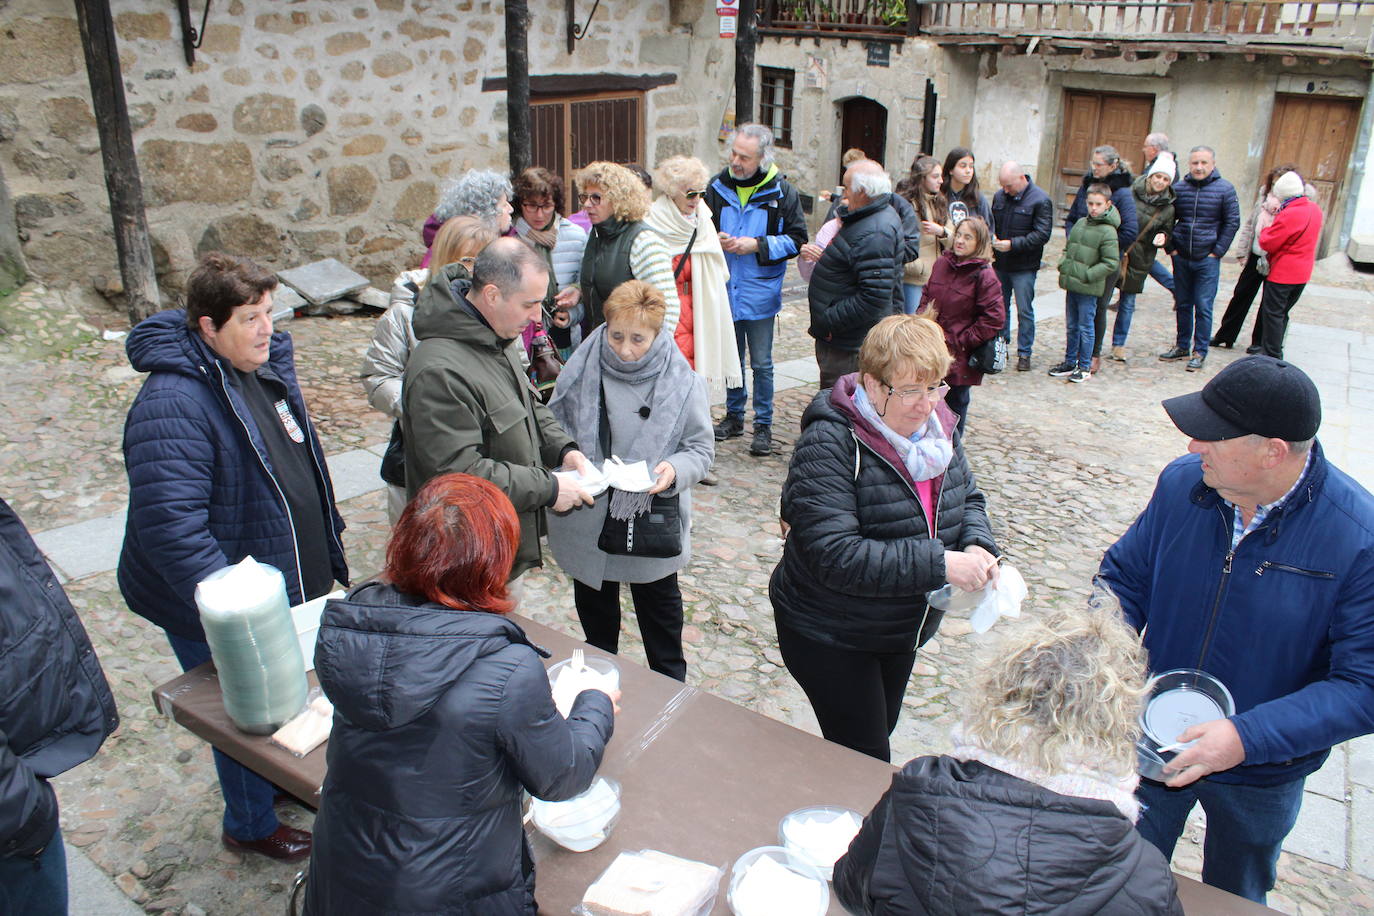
column 566, row 168
column 771, row 81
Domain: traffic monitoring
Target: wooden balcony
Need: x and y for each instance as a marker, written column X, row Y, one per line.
column 864, row 20
column 1252, row 27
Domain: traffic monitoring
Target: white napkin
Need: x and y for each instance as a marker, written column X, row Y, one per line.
column 770, row 887
column 1002, row 601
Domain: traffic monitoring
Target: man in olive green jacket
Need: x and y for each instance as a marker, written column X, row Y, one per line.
column 1091, row 258
column 469, row 407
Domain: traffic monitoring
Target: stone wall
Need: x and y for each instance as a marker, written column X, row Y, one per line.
column 12, row 269
column 316, row 128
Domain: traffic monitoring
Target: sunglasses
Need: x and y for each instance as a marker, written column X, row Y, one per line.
column 589, row 198
column 693, row 195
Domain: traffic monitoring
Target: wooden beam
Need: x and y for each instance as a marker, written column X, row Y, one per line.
column 520, row 151
column 122, row 181
column 746, row 40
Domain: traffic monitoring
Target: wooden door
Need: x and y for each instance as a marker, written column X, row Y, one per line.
column 567, row 133
column 863, row 125
column 1315, row 133
column 1093, row 119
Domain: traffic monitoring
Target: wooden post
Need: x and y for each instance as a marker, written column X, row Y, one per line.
column 745, row 41
column 134, row 248
column 521, row 152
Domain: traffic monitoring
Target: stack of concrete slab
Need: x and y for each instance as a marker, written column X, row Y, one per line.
column 325, row 287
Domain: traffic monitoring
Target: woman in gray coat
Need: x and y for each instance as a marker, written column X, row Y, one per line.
column 634, row 380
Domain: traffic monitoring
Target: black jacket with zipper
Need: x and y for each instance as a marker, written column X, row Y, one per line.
column 860, row 557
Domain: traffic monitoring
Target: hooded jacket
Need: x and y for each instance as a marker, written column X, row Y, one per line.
column 1091, row 257
column 1291, row 240
column 202, row 493
column 440, row 718
column 55, row 706
column 469, row 408
column 1155, row 213
column 1207, row 217
column 952, row 837
column 772, row 216
column 1119, row 180
column 968, row 305
column 858, row 277
column 1285, row 620
column 860, row 555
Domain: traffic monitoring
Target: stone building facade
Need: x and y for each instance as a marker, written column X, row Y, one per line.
column 326, row 128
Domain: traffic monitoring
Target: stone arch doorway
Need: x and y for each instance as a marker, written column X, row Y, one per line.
column 863, row 124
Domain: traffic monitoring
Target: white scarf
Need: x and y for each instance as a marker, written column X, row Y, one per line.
column 713, row 327
column 929, row 450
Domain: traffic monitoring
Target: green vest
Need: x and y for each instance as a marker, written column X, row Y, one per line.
column 606, row 265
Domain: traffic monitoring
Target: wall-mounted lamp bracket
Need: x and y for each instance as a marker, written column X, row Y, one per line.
column 191, row 39
column 577, row 32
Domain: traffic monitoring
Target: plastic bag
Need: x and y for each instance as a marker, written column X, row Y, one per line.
column 652, row 883
column 1002, row 601
column 309, row 728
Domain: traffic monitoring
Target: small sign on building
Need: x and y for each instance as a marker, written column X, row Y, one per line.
column 815, row 75
column 727, row 7
column 879, row 54
column 728, row 26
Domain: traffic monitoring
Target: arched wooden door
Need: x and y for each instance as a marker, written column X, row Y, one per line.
column 863, row 124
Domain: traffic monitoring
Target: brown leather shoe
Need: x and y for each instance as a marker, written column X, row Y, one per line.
column 286, row 844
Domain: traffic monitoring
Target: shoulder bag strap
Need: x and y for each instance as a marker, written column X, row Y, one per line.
column 687, row 253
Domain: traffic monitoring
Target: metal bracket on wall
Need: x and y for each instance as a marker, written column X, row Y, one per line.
column 190, row 38
column 575, row 32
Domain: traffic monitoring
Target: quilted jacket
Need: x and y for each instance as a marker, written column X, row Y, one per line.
column 55, row 706
column 1207, row 215
column 441, row 717
column 963, row 839
column 202, row 494
column 967, row 296
column 1122, row 200
column 858, row 279
column 1091, row 257
column 860, row 555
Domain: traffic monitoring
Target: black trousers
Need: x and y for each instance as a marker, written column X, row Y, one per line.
column 1242, row 297
column 658, row 608
column 957, row 400
column 857, row 696
column 834, row 362
column 1278, row 300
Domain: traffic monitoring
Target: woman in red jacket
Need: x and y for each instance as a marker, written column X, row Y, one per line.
column 966, row 296
column 1290, row 241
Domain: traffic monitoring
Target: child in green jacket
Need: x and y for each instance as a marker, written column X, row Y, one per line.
column 1090, row 260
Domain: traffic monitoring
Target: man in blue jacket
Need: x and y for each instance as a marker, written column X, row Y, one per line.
column 1023, row 218
column 759, row 219
column 224, row 463
column 1254, row 562
column 1207, row 215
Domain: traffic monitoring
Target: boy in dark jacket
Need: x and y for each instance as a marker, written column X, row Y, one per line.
column 1090, row 260
column 55, row 712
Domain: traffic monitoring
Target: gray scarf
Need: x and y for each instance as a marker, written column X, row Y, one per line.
column 577, row 405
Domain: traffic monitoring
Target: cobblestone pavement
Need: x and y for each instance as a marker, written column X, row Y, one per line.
column 1065, row 469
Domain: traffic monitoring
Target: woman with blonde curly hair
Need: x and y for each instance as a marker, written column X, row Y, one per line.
column 619, row 248
column 1034, row 810
column 705, row 328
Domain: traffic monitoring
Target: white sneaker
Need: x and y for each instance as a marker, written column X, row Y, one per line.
column 1080, row 375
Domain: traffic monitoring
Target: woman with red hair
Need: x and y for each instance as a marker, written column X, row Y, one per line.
column 442, row 713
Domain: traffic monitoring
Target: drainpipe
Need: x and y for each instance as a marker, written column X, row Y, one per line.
column 1358, row 173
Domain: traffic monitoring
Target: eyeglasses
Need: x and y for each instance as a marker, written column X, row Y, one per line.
column 593, row 199
column 910, row 396
column 693, row 195
column 469, row 260
column 529, row 205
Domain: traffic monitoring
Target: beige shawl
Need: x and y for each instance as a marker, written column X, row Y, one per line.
column 713, row 327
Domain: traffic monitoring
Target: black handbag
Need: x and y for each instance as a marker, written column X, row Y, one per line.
column 990, row 357
column 394, row 458
column 655, row 533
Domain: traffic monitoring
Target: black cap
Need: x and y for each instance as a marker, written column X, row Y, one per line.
column 1258, row 395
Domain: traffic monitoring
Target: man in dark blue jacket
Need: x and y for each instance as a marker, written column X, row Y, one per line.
column 1022, row 220
column 1254, row 562
column 224, row 463
column 55, row 712
column 1207, row 215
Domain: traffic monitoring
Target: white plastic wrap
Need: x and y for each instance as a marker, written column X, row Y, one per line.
column 652, row 883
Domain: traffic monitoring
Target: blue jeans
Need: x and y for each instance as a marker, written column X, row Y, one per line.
column 1195, row 287
column 248, row 813
column 911, row 298
column 755, row 334
column 1125, row 310
column 36, row 887
column 1245, row 828
column 1161, row 274
column 1079, row 311
column 1022, row 282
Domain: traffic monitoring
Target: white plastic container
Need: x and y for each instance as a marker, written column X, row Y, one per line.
column 820, row 835
column 582, row 823
column 770, row 880
column 567, row 682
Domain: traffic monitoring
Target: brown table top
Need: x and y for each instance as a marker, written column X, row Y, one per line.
column 700, row 777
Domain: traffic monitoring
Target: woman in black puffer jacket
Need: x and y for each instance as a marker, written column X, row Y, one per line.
column 442, row 713
column 1034, row 810
column 878, row 458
